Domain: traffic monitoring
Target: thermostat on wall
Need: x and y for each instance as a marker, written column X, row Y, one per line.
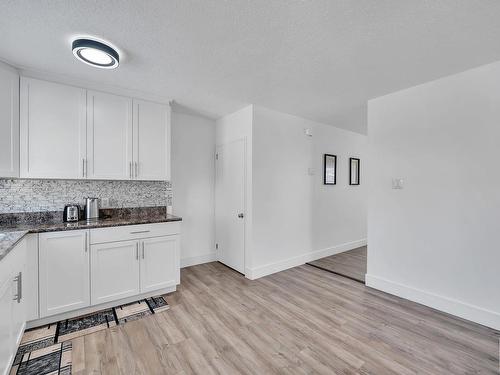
column 308, row 132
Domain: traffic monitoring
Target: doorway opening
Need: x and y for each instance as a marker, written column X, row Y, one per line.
column 350, row 264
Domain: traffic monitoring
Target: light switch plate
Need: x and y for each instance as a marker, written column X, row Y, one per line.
column 397, row 183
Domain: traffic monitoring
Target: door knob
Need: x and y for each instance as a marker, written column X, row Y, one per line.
column 241, row 216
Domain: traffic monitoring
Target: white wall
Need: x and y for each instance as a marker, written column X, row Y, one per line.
column 339, row 212
column 436, row 240
column 295, row 217
column 282, row 191
column 193, row 176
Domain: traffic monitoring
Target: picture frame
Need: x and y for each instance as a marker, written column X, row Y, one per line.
column 329, row 169
column 354, row 168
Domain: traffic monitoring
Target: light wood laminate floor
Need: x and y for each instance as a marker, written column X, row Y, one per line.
column 350, row 263
column 300, row 321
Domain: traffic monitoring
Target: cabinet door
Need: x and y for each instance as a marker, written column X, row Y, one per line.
column 6, row 338
column 109, row 136
column 159, row 263
column 151, row 141
column 52, row 130
column 18, row 292
column 63, row 271
column 114, row 271
column 9, row 123
column 12, row 305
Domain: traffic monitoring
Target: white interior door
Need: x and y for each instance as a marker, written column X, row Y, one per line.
column 230, row 204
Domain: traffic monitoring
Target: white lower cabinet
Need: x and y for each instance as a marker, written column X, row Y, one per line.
column 159, row 263
column 63, row 271
column 30, row 281
column 126, row 268
column 84, row 269
column 12, row 304
column 114, row 271
column 5, row 326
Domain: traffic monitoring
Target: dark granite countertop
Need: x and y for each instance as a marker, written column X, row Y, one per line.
column 13, row 227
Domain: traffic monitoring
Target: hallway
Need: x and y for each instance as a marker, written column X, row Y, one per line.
column 351, row 264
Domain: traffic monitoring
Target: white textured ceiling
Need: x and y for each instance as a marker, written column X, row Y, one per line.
column 317, row 59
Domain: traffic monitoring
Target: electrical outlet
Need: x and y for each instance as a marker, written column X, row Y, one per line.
column 104, row 202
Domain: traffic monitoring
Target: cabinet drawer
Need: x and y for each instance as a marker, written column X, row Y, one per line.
column 133, row 232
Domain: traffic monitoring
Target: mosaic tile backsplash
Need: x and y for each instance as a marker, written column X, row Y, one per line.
column 53, row 195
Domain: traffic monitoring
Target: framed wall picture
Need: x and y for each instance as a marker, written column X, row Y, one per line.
column 354, row 166
column 330, row 169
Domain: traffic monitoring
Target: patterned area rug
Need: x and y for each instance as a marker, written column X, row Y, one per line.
column 46, row 350
column 52, row 360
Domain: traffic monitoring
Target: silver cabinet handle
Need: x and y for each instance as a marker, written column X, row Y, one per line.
column 140, row 231
column 19, row 288
column 86, row 241
column 83, row 167
column 130, row 169
column 137, row 251
column 143, row 250
column 136, row 169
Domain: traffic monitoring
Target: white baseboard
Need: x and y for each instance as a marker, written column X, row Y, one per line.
column 199, row 259
column 268, row 269
column 318, row 254
column 449, row 305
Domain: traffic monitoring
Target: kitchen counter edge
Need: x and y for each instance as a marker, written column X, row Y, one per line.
column 11, row 236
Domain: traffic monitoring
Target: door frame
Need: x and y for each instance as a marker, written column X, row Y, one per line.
column 245, row 208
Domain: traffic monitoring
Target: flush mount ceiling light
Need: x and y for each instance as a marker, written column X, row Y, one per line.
column 95, row 53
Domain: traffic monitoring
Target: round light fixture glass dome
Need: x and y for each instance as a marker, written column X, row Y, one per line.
column 95, row 53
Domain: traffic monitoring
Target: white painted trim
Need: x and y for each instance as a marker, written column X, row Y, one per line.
column 199, row 259
column 449, row 305
column 318, row 254
column 268, row 269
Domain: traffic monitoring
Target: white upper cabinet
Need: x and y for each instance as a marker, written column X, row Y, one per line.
column 53, row 123
column 70, row 132
column 109, row 136
column 151, row 141
column 9, row 123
